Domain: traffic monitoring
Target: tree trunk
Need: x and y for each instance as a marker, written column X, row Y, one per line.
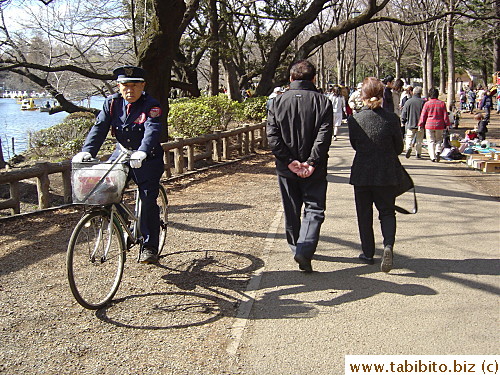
column 321, row 67
column 425, row 87
column 442, row 72
column 214, row 48
column 450, row 100
column 339, row 60
column 496, row 52
column 398, row 67
column 496, row 42
column 233, row 88
column 158, row 49
column 429, row 59
column 377, row 46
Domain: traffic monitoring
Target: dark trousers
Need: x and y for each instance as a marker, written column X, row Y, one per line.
column 384, row 199
column 302, row 233
column 147, row 179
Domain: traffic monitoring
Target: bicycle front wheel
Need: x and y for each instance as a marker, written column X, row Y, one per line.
column 162, row 202
column 95, row 260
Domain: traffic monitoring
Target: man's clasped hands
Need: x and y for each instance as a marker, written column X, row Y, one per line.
column 302, row 170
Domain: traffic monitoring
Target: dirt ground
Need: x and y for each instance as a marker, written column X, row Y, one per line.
column 172, row 318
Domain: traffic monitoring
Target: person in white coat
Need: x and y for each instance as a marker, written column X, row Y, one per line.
column 338, row 103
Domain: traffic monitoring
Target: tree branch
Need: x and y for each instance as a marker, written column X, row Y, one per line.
column 13, row 65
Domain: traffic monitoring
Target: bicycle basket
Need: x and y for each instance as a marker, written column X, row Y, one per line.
column 97, row 183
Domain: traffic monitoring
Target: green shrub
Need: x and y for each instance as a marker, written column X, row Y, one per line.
column 191, row 119
column 226, row 109
column 255, row 108
column 182, row 99
column 68, row 136
column 80, row 115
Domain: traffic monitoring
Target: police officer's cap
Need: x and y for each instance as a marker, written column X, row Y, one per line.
column 126, row 74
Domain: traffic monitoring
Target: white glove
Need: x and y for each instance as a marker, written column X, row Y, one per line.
column 81, row 156
column 136, row 159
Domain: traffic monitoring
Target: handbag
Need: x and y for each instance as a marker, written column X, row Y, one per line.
column 406, row 184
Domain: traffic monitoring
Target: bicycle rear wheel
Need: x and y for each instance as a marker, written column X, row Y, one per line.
column 95, row 260
column 162, row 202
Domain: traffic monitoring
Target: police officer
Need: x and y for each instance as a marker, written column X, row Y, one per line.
column 134, row 119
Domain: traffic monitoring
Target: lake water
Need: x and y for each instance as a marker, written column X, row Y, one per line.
column 16, row 124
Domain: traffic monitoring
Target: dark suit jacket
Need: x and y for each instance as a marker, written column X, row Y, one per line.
column 300, row 127
column 376, row 137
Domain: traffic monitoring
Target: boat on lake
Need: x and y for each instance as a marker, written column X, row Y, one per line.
column 46, row 107
column 28, row 105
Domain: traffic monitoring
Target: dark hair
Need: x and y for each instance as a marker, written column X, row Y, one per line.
column 372, row 92
column 398, row 84
column 336, row 90
column 433, row 93
column 388, row 79
column 302, row 70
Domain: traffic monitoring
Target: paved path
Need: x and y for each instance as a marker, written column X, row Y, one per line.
column 441, row 298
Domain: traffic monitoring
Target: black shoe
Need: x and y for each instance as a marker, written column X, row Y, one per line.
column 438, row 157
column 408, row 153
column 387, row 259
column 419, row 156
column 148, row 255
column 304, row 263
column 433, row 160
column 366, row 259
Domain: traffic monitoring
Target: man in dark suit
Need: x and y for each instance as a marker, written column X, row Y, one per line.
column 299, row 129
column 134, row 119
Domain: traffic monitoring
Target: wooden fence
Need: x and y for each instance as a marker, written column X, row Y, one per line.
column 180, row 157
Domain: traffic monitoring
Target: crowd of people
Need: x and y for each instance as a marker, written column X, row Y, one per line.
column 436, row 119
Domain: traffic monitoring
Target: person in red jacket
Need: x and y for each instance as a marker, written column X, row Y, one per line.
column 434, row 118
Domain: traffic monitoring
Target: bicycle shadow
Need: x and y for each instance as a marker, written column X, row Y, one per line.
column 202, row 286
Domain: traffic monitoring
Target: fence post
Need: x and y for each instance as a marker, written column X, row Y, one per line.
column 42, row 185
column 2, row 160
column 225, row 148
column 66, row 177
column 263, row 135
column 179, row 158
column 240, row 144
column 15, row 196
column 246, row 140
column 167, row 160
column 252, row 141
column 209, row 149
column 190, row 157
column 217, row 147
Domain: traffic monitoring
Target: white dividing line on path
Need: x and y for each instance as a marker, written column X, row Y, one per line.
column 252, row 288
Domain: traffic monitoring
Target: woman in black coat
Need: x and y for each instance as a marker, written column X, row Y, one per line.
column 376, row 136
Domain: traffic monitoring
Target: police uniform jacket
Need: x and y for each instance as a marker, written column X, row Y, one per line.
column 300, row 127
column 137, row 130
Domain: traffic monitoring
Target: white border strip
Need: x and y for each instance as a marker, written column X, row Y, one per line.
column 252, row 288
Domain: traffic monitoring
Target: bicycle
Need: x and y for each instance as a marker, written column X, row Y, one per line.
column 108, row 229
